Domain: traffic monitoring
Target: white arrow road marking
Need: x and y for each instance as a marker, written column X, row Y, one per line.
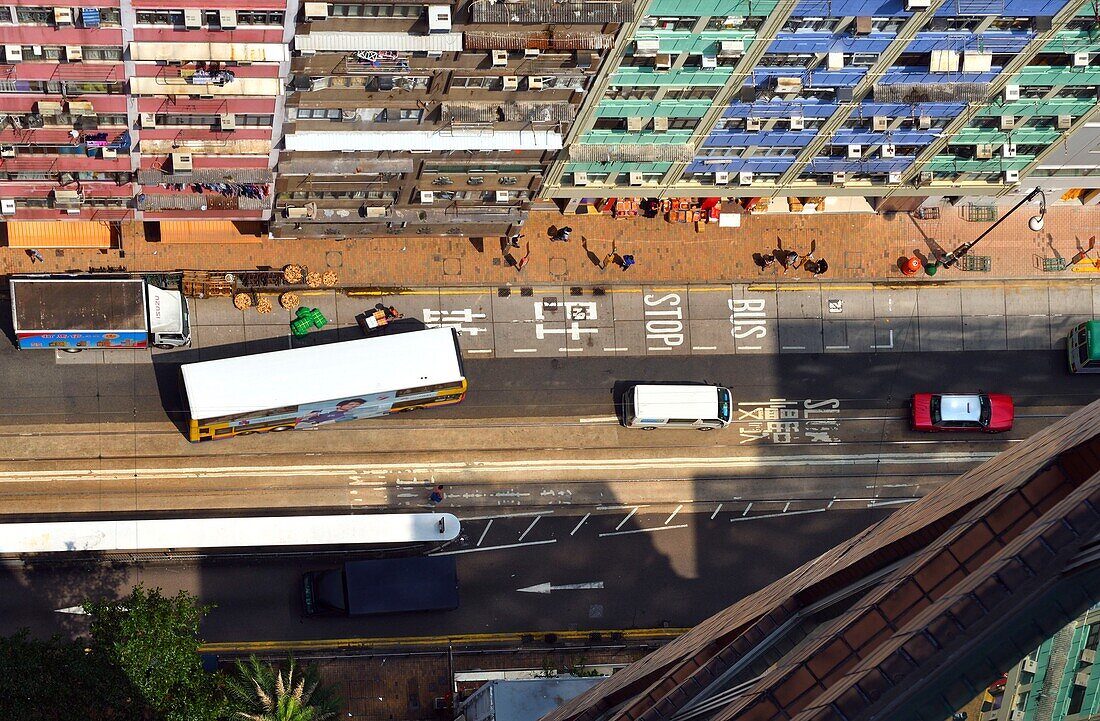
column 556, row 465
column 75, row 610
column 547, row 588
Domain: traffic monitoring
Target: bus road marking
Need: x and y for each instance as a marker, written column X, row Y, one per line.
column 581, row 523
column 493, row 548
column 524, row 534
column 622, row 522
column 487, row 527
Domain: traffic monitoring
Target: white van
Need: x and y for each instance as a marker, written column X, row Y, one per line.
column 701, row 407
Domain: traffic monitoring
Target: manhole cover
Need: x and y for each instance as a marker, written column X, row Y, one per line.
column 452, row 266
column 595, row 610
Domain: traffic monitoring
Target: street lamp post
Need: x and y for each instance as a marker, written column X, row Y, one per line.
column 1035, row 223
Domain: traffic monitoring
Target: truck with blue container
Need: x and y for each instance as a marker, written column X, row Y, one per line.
column 73, row 312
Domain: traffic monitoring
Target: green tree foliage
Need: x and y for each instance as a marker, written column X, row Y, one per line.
column 262, row 692
column 153, row 642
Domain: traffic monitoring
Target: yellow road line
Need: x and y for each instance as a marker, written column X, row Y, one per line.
column 429, row 641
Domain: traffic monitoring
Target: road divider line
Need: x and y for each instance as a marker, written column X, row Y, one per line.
column 775, row 515
column 642, row 530
column 493, row 548
column 527, row 514
column 524, row 534
column 716, row 511
column 525, row 350
column 579, row 524
column 482, row 536
column 628, row 516
column 471, row 351
column 673, row 515
column 615, row 350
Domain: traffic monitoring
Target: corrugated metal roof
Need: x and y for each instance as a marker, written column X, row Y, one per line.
column 427, row 140
column 508, row 112
column 551, row 11
column 53, row 234
column 207, row 175
column 347, row 42
column 636, row 153
column 931, row 92
column 488, row 40
column 343, row 166
column 210, row 231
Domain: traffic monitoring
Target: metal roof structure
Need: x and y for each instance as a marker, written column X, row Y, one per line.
column 907, row 621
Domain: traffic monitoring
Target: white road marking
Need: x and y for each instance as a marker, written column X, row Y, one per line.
column 786, row 506
column 776, row 515
column 479, row 350
column 598, row 419
column 890, row 344
column 618, row 508
column 678, row 509
column 464, row 468
column 615, row 350
column 837, row 347
column 547, row 587
column 704, row 347
column 875, row 503
column 525, row 350
column 622, row 522
column 751, row 347
column 75, row 610
column 746, row 511
column 570, row 350
column 642, row 530
column 487, row 526
column 527, row 514
column 493, row 548
column 581, row 523
column 716, row 511
column 524, row 534
column 793, row 347
column 660, row 347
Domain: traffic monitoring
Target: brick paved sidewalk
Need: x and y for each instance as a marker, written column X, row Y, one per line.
column 857, row 247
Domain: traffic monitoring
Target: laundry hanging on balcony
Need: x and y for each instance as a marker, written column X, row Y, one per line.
column 89, row 17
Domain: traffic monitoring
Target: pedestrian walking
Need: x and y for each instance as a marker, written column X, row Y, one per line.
column 513, row 240
column 36, row 257
column 436, row 496
column 766, row 261
column 562, row 235
column 628, row 260
column 790, row 261
column 607, row 260
column 526, row 257
column 819, row 267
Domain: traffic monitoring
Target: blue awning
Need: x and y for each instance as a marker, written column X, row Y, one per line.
column 89, row 17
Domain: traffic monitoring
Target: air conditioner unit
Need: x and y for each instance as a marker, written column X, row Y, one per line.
column 1088, row 655
column 108, row 153
column 660, row 124
column 148, row 121
column 634, row 125
column 913, row 5
column 721, row 177
column 502, row 196
column 1008, row 150
column 1012, row 176
column 427, row 197
column 636, row 179
column 798, row 122
column 227, row 121
column 880, row 122
column 731, row 48
column 663, row 62
column 7, row 151
column 72, row 211
column 744, row 177
column 752, row 123
column 13, row 53
column 182, row 163
column 316, row 11
column 1030, row 666
column 298, row 213
column 1008, row 122
column 786, row 86
column 925, row 177
column 709, row 61
column 1065, row 122
column 531, row 53
column 835, row 61
column 511, row 82
column 887, row 150
column 500, row 58
column 1081, row 60
column 1012, row 92
column 646, row 47
column 839, row 177
column 535, row 83
column 227, row 19
column 439, row 18
column 983, row 151
column 893, row 176
column 855, row 151
column 192, row 18
column 924, row 122
column 580, row 178
column 63, row 16
column 66, row 199
column 7, row 206
column 74, row 53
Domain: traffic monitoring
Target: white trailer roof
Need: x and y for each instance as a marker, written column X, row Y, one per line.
column 325, row 372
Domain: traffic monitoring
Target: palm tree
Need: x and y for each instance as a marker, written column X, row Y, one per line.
column 261, row 692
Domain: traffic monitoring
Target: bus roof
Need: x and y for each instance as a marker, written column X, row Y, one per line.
column 673, row 401
column 320, row 373
column 1092, row 327
column 159, row 534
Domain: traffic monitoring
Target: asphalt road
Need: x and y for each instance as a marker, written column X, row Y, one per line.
column 99, row 438
column 655, row 569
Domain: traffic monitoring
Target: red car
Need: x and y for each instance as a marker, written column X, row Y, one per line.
column 987, row 412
